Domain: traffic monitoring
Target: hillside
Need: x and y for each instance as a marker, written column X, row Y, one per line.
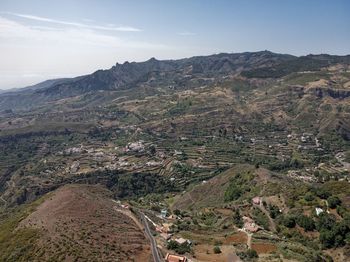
column 75, row 223
column 200, row 137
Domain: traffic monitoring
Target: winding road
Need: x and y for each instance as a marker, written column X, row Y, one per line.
column 154, row 248
column 143, row 226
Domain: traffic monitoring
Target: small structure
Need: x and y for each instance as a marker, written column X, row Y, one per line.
column 175, row 258
column 177, row 153
column 165, row 236
column 318, row 211
column 167, row 227
column 163, row 213
column 135, row 147
column 249, row 225
column 256, row 200
column 182, row 241
column 75, row 167
column 153, row 163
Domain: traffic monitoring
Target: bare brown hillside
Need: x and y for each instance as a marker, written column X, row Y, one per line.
column 78, row 223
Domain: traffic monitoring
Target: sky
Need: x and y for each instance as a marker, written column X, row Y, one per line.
column 47, row 39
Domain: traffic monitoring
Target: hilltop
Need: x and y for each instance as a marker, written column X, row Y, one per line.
column 75, row 223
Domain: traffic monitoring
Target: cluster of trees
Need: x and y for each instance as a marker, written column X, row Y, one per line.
column 303, row 221
column 260, row 218
column 332, row 233
column 179, row 248
column 237, row 218
column 239, row 184
column 137, row 184
column 250, row 254
column 274, row 211
column 292, row 163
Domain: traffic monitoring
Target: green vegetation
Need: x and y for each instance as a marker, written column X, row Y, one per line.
column 181, row 107
column 249, row 255
column 332, row 233
column 333, row 201
column 289, row 221
column 260, row 218
column 179, row 248
column 274, row 211
column 137, row 184
column 237, row 219
column 217, row 250
column 305, row 222
column 239, row 185
column 18, row 244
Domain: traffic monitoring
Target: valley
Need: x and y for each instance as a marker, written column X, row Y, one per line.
column 231, row 156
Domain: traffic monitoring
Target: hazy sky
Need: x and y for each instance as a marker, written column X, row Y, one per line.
column 44, row 39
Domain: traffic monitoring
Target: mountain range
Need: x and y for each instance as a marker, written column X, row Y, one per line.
column 251, row 149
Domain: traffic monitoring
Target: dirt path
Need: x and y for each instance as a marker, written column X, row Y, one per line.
column 249, row 240
column 249, row 237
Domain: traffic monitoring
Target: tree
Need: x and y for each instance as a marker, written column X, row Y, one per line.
column 325, row 221
column 309, row 196
column 177, row 212
column 289, row 221
column 237, row 219
column 333, row 201
column 233, row 192
column 172, row 245
column 251, row 253
column 152, row 150
column 327, row 238
column 274, row 211
column 322, row 193
column 306, row 222
column 217, row 250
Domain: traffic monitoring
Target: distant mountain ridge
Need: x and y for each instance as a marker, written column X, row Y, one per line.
column 263, row 64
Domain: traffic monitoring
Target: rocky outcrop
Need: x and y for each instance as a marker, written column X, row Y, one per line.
column 334, row 93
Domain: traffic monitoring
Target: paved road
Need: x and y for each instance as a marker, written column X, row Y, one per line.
column 143, row 226
column 154, row 248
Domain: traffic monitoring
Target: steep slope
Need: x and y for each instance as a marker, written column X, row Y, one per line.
column 78, row 223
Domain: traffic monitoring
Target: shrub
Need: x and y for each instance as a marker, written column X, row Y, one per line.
column 260, row 218
column 309, row 196
column 325, row 222
column 306, row 222
column 251, row 253
column 179, row 248
column 237, row 219
column 274, row 211
column 333, row 201
column 322, row 193
column 289, row 221
column 217, row 250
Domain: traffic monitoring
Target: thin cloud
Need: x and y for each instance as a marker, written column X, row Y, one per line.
column 10, row 29
column 186, row 33
column 81, row 25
